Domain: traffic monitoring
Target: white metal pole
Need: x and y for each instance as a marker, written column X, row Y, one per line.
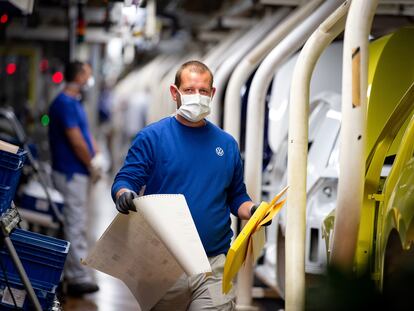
column 245, row 34
column 298, row 154
column 255, row 115
column 353, row 133
column 232, row 103
column 232, row 100
column 151, row 20
column 222, row 75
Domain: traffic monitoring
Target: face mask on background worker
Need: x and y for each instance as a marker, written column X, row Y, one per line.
column 88, row 85
column 194, row 107
column 83, row 87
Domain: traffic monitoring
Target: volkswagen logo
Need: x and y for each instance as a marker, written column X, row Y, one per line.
column 219, row 151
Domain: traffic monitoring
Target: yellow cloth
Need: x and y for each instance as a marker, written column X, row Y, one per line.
column 251, row 239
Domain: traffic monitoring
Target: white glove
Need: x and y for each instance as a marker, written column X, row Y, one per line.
column 96, row 167
column 98, row 162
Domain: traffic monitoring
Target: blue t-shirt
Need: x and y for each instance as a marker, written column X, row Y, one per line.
column 67, row 112
column 202, row 163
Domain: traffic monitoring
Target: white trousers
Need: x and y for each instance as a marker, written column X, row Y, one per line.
column 75, row 192
column 199, row 292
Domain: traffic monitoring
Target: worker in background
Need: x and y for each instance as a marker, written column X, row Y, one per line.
column 187, row 154
column 75, row 162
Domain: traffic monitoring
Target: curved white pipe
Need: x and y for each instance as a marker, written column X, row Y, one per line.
column 223, row 73
column 218, row 50
column 353, row 133
column 298, row 154
column 258, row 89
column 245, row 34
column 256, row 100
column 232, row 106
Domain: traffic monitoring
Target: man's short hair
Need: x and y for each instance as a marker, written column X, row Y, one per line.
column 195, row 66
column 72, row 69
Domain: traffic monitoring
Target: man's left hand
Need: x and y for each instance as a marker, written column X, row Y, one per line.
column 253, row 209
column 96, row 167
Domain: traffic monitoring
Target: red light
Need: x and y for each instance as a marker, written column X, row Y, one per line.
column 44, row 65
column 57, row 77
column 4, row 18
column 11, row 68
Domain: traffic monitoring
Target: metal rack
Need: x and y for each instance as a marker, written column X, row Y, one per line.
column 8, row 221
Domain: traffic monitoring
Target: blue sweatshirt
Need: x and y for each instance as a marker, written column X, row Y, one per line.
column 67, row 112
column 202, row 163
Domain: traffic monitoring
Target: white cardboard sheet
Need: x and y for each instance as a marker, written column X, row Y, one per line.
column 149, row 249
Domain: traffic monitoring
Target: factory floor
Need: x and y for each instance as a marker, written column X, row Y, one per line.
column 113, row 294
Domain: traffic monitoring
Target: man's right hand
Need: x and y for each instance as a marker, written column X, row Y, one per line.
column 124, row 203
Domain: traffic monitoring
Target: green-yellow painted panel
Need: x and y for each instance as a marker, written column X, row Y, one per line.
column 397, row 210
column 394, row 147
column 375, row 49
column 391, row 72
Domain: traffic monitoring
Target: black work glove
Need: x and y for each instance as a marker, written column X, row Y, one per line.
column 253, row 209
column 124, row 202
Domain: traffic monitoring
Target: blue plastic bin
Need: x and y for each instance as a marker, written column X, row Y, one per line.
column 39, row 206
column 10, row 169
column 43, row 257
column 40, row 244
column 4, row 198
column 44, row 292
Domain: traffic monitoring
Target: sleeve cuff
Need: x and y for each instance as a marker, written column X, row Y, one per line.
column 235, row 204
column 118, row 186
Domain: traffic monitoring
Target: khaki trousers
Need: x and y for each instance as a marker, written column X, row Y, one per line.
column 199, row 292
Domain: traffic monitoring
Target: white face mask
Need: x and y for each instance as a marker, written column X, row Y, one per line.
column 89, row 84
column 194, row 107
column 84, row 87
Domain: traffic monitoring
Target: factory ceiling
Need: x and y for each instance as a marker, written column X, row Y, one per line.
column 192, row 16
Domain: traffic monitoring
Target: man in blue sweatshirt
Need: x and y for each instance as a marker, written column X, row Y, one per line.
column 74, row 154
column 189, row 155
